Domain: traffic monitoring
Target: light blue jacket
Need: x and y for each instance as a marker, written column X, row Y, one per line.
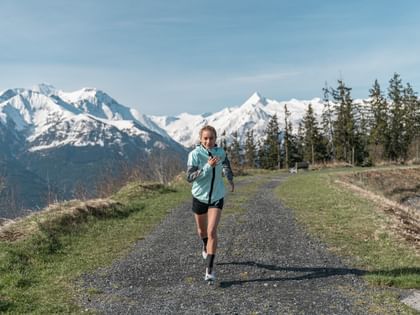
column 207, row 182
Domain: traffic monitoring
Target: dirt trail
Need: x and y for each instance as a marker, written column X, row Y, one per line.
column 266, row 264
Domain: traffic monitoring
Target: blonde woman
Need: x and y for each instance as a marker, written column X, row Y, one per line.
column 206, row 164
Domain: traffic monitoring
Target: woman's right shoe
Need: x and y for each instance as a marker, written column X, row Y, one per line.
column 209, row 276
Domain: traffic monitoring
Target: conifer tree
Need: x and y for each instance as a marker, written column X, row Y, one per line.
column 299, row 142
column 396, row 132
column 313, row 149
column 328, row 123
column 250, row 149
column 261, row 155
column 294, row 152
column 287, row 137
column 379, row 123
column 235, row 151
column 411, row 105
column 416, row 128
column 271, row 144
column 344, row 125
column 362, row 120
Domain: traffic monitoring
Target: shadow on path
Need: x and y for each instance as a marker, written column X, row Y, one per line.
column 314, row 272
column 310, row 273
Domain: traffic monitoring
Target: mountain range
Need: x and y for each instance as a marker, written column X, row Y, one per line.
column 52, row 141
column 253, row 114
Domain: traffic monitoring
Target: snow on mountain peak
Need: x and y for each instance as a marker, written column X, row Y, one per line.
column 255, row 99
column 45, row 108
column 51, row 118
column 45, row 88
column 78, row 95
column 252, row 115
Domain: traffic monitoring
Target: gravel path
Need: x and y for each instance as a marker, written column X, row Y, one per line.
column 266, row 264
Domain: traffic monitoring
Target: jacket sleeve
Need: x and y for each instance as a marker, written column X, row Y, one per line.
column 193, row 170
column 227, row 170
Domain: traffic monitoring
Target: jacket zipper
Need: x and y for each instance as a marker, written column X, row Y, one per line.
column 212, row 178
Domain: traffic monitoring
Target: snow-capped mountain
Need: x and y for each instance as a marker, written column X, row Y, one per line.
column 66, row 138
column 50, row 118
column 253, row 114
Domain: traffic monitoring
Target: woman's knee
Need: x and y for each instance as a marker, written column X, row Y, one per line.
column 212, row 234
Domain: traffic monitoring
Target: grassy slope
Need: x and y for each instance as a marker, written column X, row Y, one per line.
column 37, row 273
column 352, row 227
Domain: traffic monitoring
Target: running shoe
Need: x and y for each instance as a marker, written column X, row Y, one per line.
column 209, row 276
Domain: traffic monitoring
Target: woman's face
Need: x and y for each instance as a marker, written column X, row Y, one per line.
column 208, row 140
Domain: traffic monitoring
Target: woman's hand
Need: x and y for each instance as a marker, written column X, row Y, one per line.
column 213, row 161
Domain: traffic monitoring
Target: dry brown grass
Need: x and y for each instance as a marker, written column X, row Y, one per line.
column 397, row 184
column 56, row 215
column 327, row 165
column 389, row 189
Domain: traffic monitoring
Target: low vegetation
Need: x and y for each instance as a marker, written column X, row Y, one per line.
column 354, row 227
column 41, row 255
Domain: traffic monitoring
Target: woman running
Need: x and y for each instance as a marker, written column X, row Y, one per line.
column 205, row 166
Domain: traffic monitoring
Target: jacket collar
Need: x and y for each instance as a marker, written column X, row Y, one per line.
column 208, row 151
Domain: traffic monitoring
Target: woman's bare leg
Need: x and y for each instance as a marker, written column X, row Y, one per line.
column 201, row 222
column 213, row 216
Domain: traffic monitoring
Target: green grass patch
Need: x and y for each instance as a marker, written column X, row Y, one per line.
column 37, row 272
column 352, row 227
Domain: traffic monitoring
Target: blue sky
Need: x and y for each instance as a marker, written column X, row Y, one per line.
column 167, row 57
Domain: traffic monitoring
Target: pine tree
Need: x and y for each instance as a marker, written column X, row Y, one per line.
column 287, row 137
column 362, row 120
column 272, row 144
column 235, row 151
column 261, row 155
column 313, row 149
column 294, row 154
column 396, row 134
column 300, row 142
column 344, row 125
column 250, row 149
column 379, row 123
column 328, row 123
column 411, row 105
column 416, row 128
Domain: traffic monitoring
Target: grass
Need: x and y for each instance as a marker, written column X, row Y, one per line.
column 43, row 256
column 37, row 272
column 353, row 227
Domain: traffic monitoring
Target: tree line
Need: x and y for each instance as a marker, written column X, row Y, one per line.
column 383, row 128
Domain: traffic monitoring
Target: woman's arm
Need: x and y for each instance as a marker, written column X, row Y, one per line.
column 227, row 171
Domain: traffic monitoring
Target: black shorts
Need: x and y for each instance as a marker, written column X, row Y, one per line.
column 199, row 207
